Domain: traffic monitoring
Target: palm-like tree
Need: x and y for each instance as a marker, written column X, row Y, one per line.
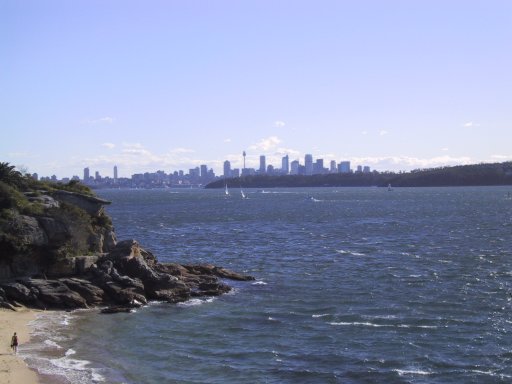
column 9, row 174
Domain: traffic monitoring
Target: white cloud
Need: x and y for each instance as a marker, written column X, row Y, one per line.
column 266, row 144
column 19, row 154
column 101, row 120
column 108, row 145
column 501, row 157
column 445, row 149
column 292, row 153
column 364, row 133
column 135, row 149
column 228, row 140
column 279, row 124
column 383, row 132
column 182, row 150
column 407, row 163
column 470, row 124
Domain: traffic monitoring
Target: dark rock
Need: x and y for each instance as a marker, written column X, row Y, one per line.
column 71, row 266
column 176, row 295
column 55, row 293
column 172, row 269
column 28, row 231
column 228, row 274
column 56, row 231
column 93, row 294
column 120, row 308
column 124, row 295
column 125, row 249
column 208, row 269
column 106, row 266
column 19, row 292
column 25, row 265
column 213, row 289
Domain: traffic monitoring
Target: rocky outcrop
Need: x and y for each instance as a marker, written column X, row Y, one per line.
column 28, row 230
column 49, row 236
column 124, row 278
column 58, row 250
column 44, row 200
column 91, row 204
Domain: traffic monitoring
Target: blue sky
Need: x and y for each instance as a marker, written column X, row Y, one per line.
column 168, row 85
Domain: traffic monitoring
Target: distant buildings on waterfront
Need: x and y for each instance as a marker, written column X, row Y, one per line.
column 203, row 175
column 160, row 179
column 310, row 167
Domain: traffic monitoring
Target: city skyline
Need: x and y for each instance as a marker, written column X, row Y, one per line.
column 165, row 85
column 295, row 167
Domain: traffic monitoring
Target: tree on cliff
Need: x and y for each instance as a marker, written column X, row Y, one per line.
column 9, row 175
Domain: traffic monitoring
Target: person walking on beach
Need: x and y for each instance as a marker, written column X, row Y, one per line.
column 14, row 343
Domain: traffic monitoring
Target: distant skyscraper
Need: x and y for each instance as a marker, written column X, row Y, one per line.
column 97, row 176
column 204, row 171
column 263, row 165
column 285, row 165
column 359, row 168
column 294, row 169
column 366, row 169
column 318, row 166
column 308, row 163
column 194, row 172
column 115, row 173
column 86, row 174
column 333, row 166
column 344, row 167
column 227, row 169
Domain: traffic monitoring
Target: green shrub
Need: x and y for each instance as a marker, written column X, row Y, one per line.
column 102, row 221
column 73, row 186
column 10, row 197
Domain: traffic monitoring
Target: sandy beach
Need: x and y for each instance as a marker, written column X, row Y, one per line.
column 13, row 369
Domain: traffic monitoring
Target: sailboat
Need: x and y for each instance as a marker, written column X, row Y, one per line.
column 243, row 194
column 226, row 192
column 389, row 187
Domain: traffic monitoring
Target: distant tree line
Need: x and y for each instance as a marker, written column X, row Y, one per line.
column 463, row 175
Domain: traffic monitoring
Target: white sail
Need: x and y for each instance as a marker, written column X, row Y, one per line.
column 226, row 190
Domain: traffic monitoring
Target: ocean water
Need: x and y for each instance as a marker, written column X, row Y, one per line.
column 353, row 285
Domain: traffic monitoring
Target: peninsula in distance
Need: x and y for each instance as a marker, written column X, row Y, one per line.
column 462, row 175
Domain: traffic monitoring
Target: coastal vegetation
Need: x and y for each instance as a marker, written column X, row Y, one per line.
column 463, row 175
column 41, row 218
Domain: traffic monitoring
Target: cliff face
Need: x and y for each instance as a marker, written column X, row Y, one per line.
column 46, row 236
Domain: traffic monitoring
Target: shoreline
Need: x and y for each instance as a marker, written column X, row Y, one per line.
column 13, row 368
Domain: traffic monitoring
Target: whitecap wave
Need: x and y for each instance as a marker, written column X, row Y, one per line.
column 259, row 282
column 404, row 372
column 195, row 302
column 369, row 324
column 346, row 252
column 52, row 343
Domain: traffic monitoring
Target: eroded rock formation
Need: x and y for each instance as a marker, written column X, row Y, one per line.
column 127, row 276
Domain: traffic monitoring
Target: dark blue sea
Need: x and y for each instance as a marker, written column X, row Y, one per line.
column 353, row 285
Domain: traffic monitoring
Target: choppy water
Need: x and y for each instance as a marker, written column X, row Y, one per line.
column 357, row 285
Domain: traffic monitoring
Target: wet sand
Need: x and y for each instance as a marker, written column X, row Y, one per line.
column 13, row 369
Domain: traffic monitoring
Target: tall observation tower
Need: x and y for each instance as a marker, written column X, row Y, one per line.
column 244, row 158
